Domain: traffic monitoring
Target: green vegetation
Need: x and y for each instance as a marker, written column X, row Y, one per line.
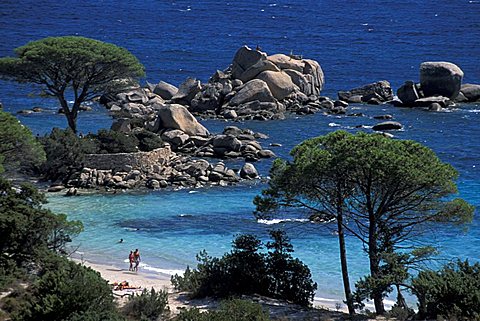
column 65, row 153
column 389, row 191
column 66, row 290
column 18, row 148
column 147, row 306
column 109, row 141
column 246, row 271
column 452, row 293
column 75, row 67
column 238, row 310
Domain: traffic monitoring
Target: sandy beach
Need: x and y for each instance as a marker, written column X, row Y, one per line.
column 178, row 300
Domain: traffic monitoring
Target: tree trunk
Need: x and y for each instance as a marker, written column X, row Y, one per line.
column 343, row 261
column 374, row 267
column 70, row 114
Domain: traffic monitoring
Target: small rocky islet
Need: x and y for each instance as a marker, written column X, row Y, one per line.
column 256, row 86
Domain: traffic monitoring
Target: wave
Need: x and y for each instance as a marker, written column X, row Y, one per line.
column 334, row 125
column 277, row 221
column 147, row 267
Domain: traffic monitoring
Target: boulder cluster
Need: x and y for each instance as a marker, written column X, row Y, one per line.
column 178, row 171
column 255, row 86
column 440, row 86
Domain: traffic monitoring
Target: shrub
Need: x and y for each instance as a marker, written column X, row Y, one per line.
column 245, row 271
column 238, row 310
column 110, row 141
column 148, row 141
column 149, row 305
column 452, row 293
column 67, row 291
column 65, row 153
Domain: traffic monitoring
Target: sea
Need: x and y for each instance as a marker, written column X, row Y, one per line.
column 356, row 42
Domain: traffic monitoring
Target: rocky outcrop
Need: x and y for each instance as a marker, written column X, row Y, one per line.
column 248, row 171
column 440, row 79
column 408, row 93
column 374, row 93
column 174, row 116
column 255, row 86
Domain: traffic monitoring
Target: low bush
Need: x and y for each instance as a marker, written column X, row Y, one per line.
column 110, row 142
column 246, row 271
column 238, row 310
column 452, row 292
column 147, row 306
column 148, row 141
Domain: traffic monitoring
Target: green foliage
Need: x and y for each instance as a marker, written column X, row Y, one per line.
column 80, row 67
column 65, row 153
column 452, row 292
column 110, row 142
column 230, row 310
column 28, row 230
column 148, row 306
column 18, row 147
column 246, row 271
column 66, row 290
column 148, row 141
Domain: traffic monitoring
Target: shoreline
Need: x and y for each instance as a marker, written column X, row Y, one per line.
column 177, row 300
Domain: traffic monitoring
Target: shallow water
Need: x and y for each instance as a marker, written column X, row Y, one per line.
column 356, row 42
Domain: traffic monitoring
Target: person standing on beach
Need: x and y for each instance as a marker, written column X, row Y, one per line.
column 136, row 255
column 131, row 258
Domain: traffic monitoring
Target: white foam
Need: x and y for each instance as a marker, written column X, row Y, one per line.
column 159, row 270
column 277, row 221
column 334, row 125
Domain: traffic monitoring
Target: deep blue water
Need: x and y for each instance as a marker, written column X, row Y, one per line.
column 356, row 42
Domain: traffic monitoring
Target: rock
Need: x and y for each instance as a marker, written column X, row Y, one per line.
column 122, row 125
column 153, row 183
column 56, row 188
column 72, row 191
column 266, row 153
column 245, row 58
column 287, row 62
column 383, row 117
column 175, row 137
column 85, row 108
column 439, row 78
column 165, row 90
column 199, row 141
column 471, row 92
column 279, row 83
column 114, row 108
column 255, row 89
column 27, row 112
column 228, row 142
column 407, row 93
column 314, row 75
column 340, row 103
column 230, row 114
column 248, row 171
column 137, row 95
column 253, row 71
column 461, row 98
column 426, row 102
column 300, row 81
column 435, row 107
column 381, row 89
column 37, row 109
column 232, row 130
column 187, row 90
column 355, row 99
column 276, row 145
column 388, row 125
column 175, row 116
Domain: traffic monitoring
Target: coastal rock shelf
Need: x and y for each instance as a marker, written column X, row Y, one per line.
column 160, row 168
